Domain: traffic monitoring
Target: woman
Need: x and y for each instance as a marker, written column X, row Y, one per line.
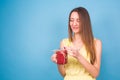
column 84, row 51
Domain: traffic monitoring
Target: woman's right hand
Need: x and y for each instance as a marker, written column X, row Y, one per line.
column 53, row 58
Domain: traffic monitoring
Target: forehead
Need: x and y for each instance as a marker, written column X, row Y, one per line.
column 74, row 15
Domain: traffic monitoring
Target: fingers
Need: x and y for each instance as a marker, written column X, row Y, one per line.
column 69, row 50
column 53, row 58
column 72, row 51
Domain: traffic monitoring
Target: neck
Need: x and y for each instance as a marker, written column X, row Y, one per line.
column 77, row 38
column 77, row 41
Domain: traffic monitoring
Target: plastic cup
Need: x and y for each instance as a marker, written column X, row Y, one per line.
column 61, row 56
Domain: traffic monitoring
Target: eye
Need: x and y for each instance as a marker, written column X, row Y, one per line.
column 71, row 20
column 78, row 20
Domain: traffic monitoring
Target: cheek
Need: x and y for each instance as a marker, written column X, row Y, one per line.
column 70, row 23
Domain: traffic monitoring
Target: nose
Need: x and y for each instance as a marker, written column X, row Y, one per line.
column 74, row 23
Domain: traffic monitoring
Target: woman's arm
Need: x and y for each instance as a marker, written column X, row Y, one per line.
column 95, row 68
column 61, row 68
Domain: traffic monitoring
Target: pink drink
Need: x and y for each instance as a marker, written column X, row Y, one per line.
column 61, row 56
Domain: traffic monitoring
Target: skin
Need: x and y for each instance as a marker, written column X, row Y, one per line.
column 77, row 43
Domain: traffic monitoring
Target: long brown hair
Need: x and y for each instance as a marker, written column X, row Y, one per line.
column 86, row 32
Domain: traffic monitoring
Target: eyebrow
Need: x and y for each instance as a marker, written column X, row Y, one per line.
column 73, row 18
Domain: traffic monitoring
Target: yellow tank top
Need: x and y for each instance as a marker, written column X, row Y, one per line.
column 74, row 70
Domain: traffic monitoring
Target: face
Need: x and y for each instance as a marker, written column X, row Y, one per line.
column 75, row 22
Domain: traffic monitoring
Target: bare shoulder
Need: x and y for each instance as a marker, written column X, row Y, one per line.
column 98, row 42
column 63, row 42
column 98, row 46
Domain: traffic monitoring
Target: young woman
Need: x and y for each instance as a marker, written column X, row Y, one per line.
column 84, row 51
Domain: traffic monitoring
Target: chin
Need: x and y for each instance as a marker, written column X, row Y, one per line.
column 76, row 32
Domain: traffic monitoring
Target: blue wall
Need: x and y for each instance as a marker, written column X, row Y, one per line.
column 30, row 29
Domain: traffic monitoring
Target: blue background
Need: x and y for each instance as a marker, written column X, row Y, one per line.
column 30, row 29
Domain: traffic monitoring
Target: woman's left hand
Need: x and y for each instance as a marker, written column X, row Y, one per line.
column 73, row 52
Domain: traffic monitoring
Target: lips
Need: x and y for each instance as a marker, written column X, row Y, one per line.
column 74, row 28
